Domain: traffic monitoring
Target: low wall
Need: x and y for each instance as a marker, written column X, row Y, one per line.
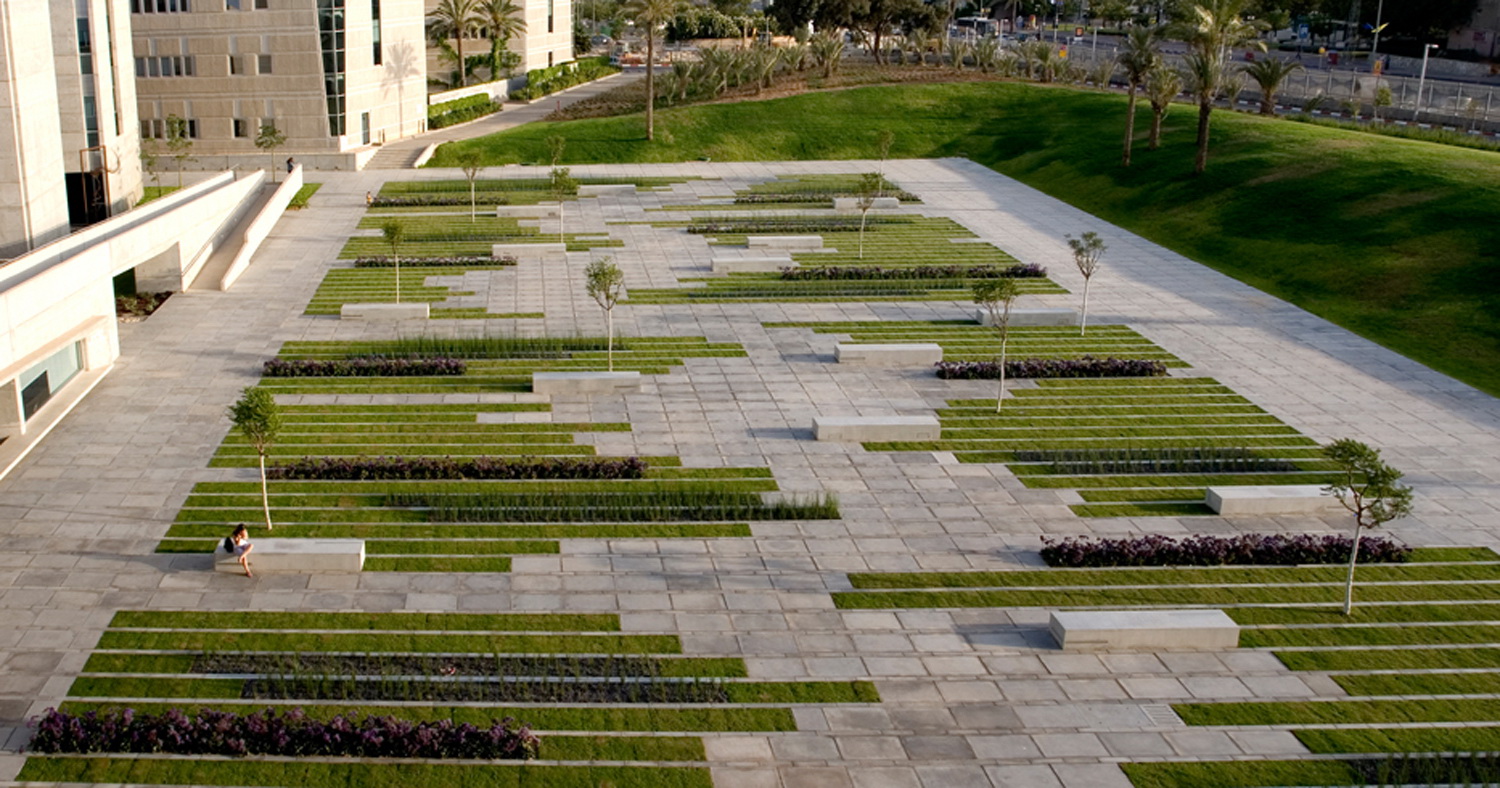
column 500, row 89
column 261, row 226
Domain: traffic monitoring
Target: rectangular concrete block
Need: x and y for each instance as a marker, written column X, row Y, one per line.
column 543, row 210
column 566, row 383
column 1272, row 499
column 864, row 429
column 752, row 265
column 384, row 311
column 597, row 189
column 784, row 241
column 1033, row 317
column 552, row 251
column 297, row 556
column 851, row 204
column 1144, row 629
column 917, row 354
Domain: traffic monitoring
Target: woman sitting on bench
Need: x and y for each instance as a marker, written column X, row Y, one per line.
column 239, row 545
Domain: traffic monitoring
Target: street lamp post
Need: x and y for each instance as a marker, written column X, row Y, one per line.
column 1375, row 41
column 1421, row 80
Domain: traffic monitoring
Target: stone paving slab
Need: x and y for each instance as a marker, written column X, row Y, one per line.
column 971, row 697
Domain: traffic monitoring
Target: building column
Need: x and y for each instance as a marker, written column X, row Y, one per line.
column 12, row 420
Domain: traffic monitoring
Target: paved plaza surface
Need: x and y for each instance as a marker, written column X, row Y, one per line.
column 969, row 697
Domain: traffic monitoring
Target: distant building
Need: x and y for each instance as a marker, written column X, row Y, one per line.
column 1482, row 33
column 337, row 77
column 547, row 40
column 69, row 154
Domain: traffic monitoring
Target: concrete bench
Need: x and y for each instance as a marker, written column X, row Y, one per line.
column 784, row 241
column 530, row 251
column 563, row 383
column 1272, row 499
column 296, row 556
column 752, row 265
column 851, row 204
column 384, row 311
column 879, row 429
column 921, row 354
column 1144, row 629
column 543, row 210
column 597, row 189
column 1033, row 317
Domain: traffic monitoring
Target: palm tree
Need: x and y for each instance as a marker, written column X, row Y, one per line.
column 1162, row 85
column 504, row 20
column 1213, row 28
column 650, row 15
column 1141, row 53
column 1269, row 73
column 454, row 19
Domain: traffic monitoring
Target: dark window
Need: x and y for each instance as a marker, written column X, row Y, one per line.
column 264, row 66
column 241, row 128
column 376, row 57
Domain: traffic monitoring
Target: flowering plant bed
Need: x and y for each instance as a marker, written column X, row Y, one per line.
column 464, row 261
column 1086, row 367
column 363, row 366
column 140, row 304
column 382, row 468
column 1263, row 549
column 841, row 272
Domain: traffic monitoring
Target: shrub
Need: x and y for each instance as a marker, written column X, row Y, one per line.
column 488, row 468
column 1196, row 459
column 435, row 262
column 818, row 196
column 542, row 81
column 423, row 200
column 362, row 366
column 457, row 111
column 1267, row 549
column 269, row 732
column 650, row 505
column 837, row 272
column 140, row 304
column 830, row 225
column 1086, row 367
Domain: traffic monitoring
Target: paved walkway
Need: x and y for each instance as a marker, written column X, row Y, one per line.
column 971, row 698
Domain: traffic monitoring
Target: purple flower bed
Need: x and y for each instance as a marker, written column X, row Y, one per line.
column 434, row 262
column 269, row 732
column 363, row 366
column 1086, row 367
column 378, row 468
column 1264, row 549
column 837, row 272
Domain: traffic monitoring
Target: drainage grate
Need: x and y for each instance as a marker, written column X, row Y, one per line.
column 1162, row 715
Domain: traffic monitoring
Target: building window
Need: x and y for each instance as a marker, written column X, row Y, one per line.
column 551, row 15
column 231, row 5
column 40, row 383
column 376, row 57
column 166, row 66
column 262, row 5
column 364, row 128
column 236, row 66
column 160, row 6
column 263, row 65
column 331, row 39
column 241, row 128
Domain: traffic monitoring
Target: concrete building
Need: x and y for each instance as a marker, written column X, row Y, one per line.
column 69, row 153
column 547, row 40
column 1482, row 33
column 337, row 77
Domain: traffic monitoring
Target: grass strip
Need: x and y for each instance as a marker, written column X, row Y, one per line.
column 153, row 663
column 1228, row 575
column 1394, row 659
column 446, row 563
column 307, row 774
column 1365, row 614
column 1422, row 684
column 1394, row 635
column 379, row 622
column 1394, row 712
column 1240, row 774
column 1124, row 597
column 212, row 529
column 387, row 642
column 1476, row 739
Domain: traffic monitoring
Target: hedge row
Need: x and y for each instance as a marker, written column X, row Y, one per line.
column 450, row 113
column 489, row 468
column 1086, row 367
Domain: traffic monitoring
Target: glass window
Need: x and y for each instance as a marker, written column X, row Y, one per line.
column 42, row 381
column 264, row 66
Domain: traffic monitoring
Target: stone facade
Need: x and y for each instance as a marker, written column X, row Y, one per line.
column 547, row 41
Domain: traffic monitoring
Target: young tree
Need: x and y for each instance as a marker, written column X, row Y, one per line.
column 179, row 143
column 606, row 283
column 394, row 233
column 471, row 162
column 1370, row 489
column 1214, row 27
column 868, row 190
column 151, row 160
column 269, row 139
column 997, row 296
column 883, row 142
column 503, row 20
column 258, row 418
column 827, row 50
column 1086, row 253
column 562, row 186
column 556, row 145
column 1269, row 73
column 650, row 15
column 1162, row 86
column 1141, row 54
column 454, row 19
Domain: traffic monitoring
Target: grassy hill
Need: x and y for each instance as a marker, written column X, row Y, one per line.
column 1394, row 239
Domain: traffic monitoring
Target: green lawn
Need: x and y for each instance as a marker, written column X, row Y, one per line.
column 1393, row 239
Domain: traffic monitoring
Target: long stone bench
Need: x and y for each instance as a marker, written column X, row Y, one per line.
column 1032, row 317
column 1144, row 629
column 529, row 251
column 542, row 210
column 564, row 383
column 917, row 354
column 296, row 556
column 597, row 189
column 863, row 429
column 851, row 204
column 769, row 264
column 784, row 241
column 1272, row 499
column 420, row 311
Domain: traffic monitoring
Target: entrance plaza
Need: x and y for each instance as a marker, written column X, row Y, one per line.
column 824, row 668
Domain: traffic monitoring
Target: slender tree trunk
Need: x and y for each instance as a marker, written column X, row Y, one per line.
column 471, row 201
column 265, row 497
column 1205, row 108
column 1353, row 559
column 1083, row 323
column 1155, row 129
column 864, row 214
column 458, row 41
column 1000, row 394
column 397, row 260
column 1129, row 123
column 609, row 343
column 650, row 84
column 1267, row 103
column 560, row 201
